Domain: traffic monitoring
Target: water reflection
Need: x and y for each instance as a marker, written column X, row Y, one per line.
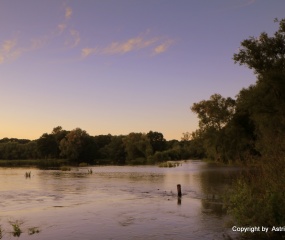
column 135, row 202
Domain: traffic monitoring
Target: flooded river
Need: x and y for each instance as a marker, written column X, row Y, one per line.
column 115, row 202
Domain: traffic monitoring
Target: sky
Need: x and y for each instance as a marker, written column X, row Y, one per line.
column 121, row 66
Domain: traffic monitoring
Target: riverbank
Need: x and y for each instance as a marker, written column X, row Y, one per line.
column 40, row 163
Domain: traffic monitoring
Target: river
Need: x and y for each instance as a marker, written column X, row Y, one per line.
column 116, row 202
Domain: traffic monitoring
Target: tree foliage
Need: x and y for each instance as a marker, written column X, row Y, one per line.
column 138, row 148
column 157, row 141
column 72, row 146
column 215, row 112
column 259, row 198
column 214, row 115
column 264, row 54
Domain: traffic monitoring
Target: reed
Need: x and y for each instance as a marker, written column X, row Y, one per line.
column 28, row 174
column 1, row 232
column 16, row 228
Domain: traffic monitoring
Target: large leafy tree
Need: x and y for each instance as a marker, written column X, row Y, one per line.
column 157, row 141
column 262, row 105
column 100, row 142
column 114, row 151
column 215, row 112
column 213, row 116
column 48, row 144
column 264, row 53
column 137, row 147
column 265, row 100
column 75, row 144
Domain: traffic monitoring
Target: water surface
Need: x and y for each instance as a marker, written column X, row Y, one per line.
column 116, row 202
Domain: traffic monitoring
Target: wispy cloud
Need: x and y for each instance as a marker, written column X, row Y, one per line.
column 244, row 3
column 8, row 45
column 73, row 40
column 127, row 46
column 73, row 36
column 85, row 52
column 68, row 12
column 61, row 27
column 162, row 47
column 249, row 2
column 132, row 44
column 9, row 50
column 12, row 49
column 40, row 42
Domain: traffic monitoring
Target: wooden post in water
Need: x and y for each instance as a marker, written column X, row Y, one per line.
column 179, row 194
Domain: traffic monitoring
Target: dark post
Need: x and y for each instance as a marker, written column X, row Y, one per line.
column 179, row 190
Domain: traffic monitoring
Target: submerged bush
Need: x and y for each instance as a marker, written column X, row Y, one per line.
column 65, row 168
column 16, row 228
column 33, row 230
column 83, row 164
column 169, row 164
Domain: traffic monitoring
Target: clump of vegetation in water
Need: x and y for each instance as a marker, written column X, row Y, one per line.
column 28, row 174
column 1, row 232
column 83, row 164
column 16, row 228
column 65, row 168
column 33, row 230
column 169, row 164
column 90, row 171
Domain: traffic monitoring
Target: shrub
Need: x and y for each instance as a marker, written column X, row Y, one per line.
column 258, row 199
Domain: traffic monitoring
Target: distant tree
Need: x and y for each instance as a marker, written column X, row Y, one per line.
column 157, row 141
column 114, row 152
column 10, row 150
column 47, row 146
column 30, row 150
column 192, row 146
column 22, row 141
column 138, row 148
column 186, row 136
column 100, row 142
column 73, row 145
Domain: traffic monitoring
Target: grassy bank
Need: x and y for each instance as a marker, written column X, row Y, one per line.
column 40, row 163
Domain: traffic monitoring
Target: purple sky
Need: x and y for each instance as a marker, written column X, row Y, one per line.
column 121, row 66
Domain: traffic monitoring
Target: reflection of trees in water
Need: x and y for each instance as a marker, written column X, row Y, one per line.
column 213, row 206
column 214, row 183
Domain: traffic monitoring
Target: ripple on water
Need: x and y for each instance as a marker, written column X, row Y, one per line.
column 115, row 202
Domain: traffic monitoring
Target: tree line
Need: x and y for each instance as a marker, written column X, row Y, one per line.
column 78, row 146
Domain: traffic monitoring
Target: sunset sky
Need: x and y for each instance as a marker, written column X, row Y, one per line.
column 121, row 66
